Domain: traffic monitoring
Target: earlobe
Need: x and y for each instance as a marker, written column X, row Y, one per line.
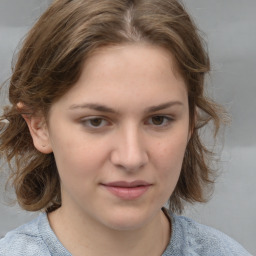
column 39, row 133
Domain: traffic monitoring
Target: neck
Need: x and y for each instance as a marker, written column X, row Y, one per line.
column 82, row 236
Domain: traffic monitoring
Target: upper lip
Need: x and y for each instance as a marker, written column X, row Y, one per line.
column 126, row 184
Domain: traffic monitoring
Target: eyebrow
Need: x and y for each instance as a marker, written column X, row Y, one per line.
column 94, row 106
column 103, row 108
column 163, row 106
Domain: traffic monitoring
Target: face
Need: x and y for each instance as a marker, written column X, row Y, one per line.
column 119, row 136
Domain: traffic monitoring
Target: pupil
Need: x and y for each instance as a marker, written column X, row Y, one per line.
column 96, row 122
column 157, row 120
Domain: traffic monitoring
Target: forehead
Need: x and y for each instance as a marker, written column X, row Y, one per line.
column 138, row 54
column 128, row 75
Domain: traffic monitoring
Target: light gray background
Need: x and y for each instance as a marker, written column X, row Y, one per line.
column 230, row 30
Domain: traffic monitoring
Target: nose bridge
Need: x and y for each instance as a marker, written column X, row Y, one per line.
column 130, row 151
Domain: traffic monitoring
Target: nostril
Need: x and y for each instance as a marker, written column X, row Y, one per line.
column 130, row 152
column 129, row 162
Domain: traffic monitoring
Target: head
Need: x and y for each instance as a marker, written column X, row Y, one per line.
column 51, row 62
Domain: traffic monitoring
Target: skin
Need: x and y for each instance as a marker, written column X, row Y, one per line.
column 139, row 132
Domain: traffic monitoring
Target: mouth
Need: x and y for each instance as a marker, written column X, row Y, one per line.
column 127, row 190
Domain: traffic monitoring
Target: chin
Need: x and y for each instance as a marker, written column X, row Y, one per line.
column 127, row 220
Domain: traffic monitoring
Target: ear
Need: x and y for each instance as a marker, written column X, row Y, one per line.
column 39, row 131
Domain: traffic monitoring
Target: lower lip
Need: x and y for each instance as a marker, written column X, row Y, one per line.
column 128, row 193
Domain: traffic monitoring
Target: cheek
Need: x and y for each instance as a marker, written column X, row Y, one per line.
column 73, row 145
column 77, row 160
column 169, row 157
column 78, row 170
column 168, row 162
column 80, row 162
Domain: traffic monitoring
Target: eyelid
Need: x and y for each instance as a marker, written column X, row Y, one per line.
column 91, row 118
column 169, row 119
column 85, row 121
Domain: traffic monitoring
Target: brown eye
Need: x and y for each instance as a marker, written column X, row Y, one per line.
column 158, row 120
column 96, row 122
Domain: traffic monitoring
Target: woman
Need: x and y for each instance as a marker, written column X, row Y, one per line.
column 107, row 102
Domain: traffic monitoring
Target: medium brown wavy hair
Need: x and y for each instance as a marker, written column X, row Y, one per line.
column 50, row 63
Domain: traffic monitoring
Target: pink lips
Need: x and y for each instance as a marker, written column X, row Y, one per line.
column 127, row 190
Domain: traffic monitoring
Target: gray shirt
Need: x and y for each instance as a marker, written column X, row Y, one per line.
column 188, row 238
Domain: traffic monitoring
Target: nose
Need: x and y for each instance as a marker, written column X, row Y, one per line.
column 130, row 152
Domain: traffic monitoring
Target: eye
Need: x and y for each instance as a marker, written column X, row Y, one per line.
column 160, row 120
column 95, row 122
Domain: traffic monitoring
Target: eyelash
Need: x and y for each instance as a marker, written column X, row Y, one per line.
column 166, row 121
column 87, row 122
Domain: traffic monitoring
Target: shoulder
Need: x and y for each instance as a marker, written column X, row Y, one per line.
column 25, row 240
column 207, row 239
column 192, row 238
